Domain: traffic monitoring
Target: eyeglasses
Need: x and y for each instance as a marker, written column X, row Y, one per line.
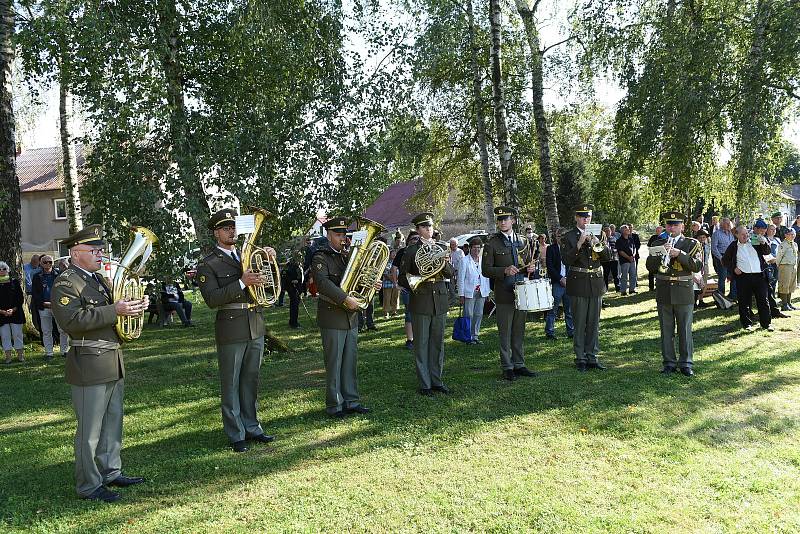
column 3, row 269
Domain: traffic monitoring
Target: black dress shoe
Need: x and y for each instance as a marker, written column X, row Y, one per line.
column 426, row 392
column 262, row 438
column 442, row 389
column 581, row 367
column 123, row 481
column 687, row 371
column 509, row 375
column 239, row 446
column 357, row 409
column 102, row 494
column 337, row 415
column 781, row 315
column 596, row 365
column 524, row 371
column 373, row 327
column 667, row 370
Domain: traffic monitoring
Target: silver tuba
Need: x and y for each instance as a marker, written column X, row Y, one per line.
column 127, row 285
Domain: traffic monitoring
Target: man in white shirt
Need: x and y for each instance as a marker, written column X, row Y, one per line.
column 473, row 287
column 746, row 262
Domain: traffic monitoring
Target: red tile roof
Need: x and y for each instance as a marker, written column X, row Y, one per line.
column 390, row 209
column 37, row 169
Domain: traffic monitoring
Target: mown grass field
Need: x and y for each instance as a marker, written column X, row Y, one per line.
column 625, row 450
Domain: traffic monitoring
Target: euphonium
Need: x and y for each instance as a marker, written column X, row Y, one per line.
column 367, row 263
column 430, row 260
column 256, row 259
column 127, row 285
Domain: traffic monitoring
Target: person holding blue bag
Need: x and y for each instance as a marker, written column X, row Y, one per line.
column 473, row 288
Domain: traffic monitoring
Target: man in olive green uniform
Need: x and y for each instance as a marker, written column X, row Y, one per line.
column 675, row 292
column 337, row 319
column 83, row 307
column 507, row 259
column 585, row 288
column 428, row 304
column 239, row 329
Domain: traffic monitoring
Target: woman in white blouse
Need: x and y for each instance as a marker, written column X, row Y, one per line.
column 473, row 287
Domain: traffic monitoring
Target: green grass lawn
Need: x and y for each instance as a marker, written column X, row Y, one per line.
column 625, row 450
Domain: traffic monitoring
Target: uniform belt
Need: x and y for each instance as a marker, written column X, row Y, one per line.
column 674, row 278
column 583, row 270
column 94, row 344
column 238, row 306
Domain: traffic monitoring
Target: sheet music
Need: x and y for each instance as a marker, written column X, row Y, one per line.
column 245, row 224
column 358, row 238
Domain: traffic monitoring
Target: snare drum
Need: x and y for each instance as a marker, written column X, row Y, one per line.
column 533, row 295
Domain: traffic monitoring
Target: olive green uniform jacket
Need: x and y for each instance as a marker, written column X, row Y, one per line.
column 328, row 267
column 218, row 277
column 430, row 298
column 582, row 284
column 497, row 255
column 84, row 310
column 676, row 291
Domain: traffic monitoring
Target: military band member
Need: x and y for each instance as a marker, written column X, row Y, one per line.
column 83, row 307
column 337, row 318
column 507, row 259
column 675, row 292
column 239, row 330
column 428, row 305
column 585, row 288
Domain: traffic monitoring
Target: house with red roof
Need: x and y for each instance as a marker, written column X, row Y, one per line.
column 42, row 199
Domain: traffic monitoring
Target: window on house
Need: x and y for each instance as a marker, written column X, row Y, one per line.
column 60, row 205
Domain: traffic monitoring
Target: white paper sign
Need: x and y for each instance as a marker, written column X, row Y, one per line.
column 359, row 238
column 657, row 251
column 245, row 224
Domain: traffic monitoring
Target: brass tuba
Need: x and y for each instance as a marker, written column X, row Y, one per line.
column 368, row 259
column 127, row 284
column 430, row 260
column 256, row 259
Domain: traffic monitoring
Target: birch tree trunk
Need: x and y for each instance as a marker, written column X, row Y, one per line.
column 181, row 146
column 10, row 210
column 507, row 168
column 480, row 119
column 69, row 163
column 542, row 132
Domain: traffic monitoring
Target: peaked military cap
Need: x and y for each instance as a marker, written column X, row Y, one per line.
column 760, row 223
column 224, row 217
column 501, row 212
column 423, row 218
column 584, row 210
column 91, row 235
column 337, row 224
column 672, row 217
column 777, row 214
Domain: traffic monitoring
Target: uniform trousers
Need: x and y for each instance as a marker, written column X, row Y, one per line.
column 48, row 324
column 473, row 309
column 586, row 317
column 670, row 316
column 340, row 348
column 98, row 438
column 239, row 365
column 429, row 348
column 511, row 327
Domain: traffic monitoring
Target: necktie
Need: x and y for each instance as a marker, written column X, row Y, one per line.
column 234, row 256
column 102, row 286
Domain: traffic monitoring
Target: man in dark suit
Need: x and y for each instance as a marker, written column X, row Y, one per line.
column 293, row 283
column 585, row 288
column 507, row 259
column 428, row 304
column 239, row 329
column 557, row 272
column 675, row 292
column 83, row 307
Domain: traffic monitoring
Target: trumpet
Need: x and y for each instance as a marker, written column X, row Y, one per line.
column 597, row 244
column 665, row 260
